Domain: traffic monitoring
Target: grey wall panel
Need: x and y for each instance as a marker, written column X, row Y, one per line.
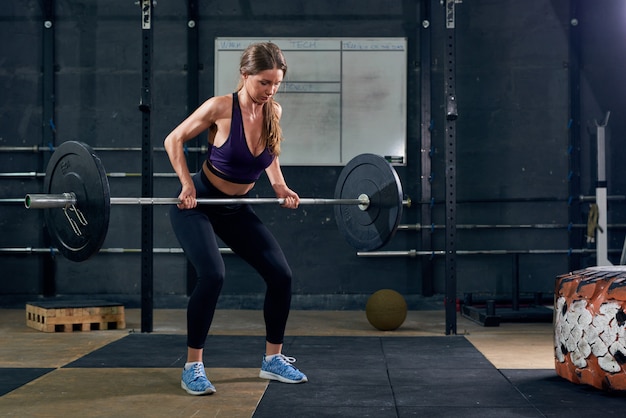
column 512, row 155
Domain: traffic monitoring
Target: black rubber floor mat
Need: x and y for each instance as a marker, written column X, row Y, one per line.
column 396, row 377
column 13, row 378
column 158, row 350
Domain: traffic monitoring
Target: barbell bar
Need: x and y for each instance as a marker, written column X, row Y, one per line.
column 368, row 201
column 65, row 200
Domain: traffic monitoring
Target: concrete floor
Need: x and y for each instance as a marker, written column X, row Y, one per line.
column 155, row 392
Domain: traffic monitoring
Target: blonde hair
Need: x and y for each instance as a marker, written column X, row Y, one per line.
column 256, row 58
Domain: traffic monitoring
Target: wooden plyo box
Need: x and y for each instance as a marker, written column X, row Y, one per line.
column 68, row 316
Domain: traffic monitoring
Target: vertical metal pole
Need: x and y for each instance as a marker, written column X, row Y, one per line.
column 145, row 106
column 48, row 73
column 193, row 67
column 48, row 285
column 515, row 284
column 450, row 156
column 193, row 62
column 574, row 210
column 426, row 145
column 602, row 250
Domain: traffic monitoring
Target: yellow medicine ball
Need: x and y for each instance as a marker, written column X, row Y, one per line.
column 386, row 310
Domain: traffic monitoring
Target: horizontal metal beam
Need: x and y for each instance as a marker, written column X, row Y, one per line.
column 16, row 200
column 498, row 200
column 593, row 198
column 416, row 253
column 420, row 227
column 32, row 250
column 23, row 174
column 40, row 148
column 30, row 174
column 409, row 253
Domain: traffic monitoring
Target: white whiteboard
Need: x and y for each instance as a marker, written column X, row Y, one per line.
column 341, row 96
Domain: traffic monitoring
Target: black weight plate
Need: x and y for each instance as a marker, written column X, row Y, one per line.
column 370, row 229
column 75, row 168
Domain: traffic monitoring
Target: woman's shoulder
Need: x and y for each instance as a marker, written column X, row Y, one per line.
column 218, row 106
column 225, row 101
column 277, row 108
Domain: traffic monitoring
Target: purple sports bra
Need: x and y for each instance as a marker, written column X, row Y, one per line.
column 233, row 161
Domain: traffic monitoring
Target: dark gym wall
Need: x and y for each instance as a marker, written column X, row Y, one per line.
column 603, row 58
column 516, row 155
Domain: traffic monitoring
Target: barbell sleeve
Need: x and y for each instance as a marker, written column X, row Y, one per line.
column 44, row 201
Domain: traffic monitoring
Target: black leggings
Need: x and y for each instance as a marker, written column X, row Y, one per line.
column 240, row 229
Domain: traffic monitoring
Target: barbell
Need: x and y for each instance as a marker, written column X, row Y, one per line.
column 368, row 201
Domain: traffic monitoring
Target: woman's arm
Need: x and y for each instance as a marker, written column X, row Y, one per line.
column 199, row 121
column 277, row 180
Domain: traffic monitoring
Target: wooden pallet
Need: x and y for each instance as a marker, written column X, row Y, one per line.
column 69, row 316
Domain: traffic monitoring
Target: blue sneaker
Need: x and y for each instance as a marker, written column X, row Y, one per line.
column 280, row 368
column 195, row 382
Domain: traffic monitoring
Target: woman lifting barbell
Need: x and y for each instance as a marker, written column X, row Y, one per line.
column 244, row 137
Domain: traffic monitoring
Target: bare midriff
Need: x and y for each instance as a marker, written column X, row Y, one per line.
column 226, row 187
